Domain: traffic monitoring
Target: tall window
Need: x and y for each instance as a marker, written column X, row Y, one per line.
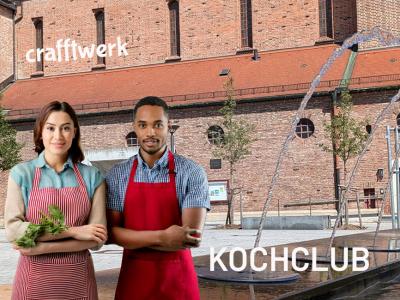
column 101, row 36
column 38, row 23
column 325, row 18
column 246, row 26
column 174, row 28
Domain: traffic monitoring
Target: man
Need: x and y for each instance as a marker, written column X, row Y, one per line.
column 156, row 209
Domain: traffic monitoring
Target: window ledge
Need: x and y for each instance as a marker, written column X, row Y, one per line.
column 172, row 59
column 324, row 40
column 37, row 74
column 99, row 67
column 245, row 50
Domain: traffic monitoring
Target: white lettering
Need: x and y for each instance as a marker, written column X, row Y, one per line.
column 29, row 57
column 58, row 47
column 217, row 258
column 238, row 260
column 66, row 49
column 39, row 54
column 101, row 50
column 50, row 55
column 86, row 51
column 121, row 47
column 63, row 48
column 252, row 259
column 314, row 260
column 345, row 259
column 74, row 44
column 232, row 259
column 110, row 48
column 294, row 259
column 363, row 258
column 284, row 259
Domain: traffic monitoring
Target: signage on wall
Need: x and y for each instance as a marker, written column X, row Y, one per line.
column 218, row 190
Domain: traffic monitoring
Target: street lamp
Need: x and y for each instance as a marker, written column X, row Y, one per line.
column 172, row 130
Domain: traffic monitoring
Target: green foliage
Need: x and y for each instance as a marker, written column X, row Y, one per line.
column 53, row 223
column 9, row 148
column 234, row 145
column 348, row 135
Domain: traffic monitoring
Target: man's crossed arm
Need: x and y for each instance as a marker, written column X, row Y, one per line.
column 172, row 238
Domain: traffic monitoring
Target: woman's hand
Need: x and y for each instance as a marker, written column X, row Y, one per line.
column 37, row 250
column 91, row 232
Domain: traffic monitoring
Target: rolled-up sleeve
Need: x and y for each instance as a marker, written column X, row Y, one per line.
column 196, row 194
column 116, row 180
column 14, row 214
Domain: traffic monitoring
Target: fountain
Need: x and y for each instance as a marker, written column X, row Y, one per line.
column 251, row 277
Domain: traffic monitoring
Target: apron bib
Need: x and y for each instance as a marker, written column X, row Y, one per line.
column 57, row 276
column 146, row 273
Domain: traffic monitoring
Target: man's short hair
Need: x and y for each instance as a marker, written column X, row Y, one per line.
column 151, row 100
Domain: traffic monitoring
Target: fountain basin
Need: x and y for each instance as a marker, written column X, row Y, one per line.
column 289, row 222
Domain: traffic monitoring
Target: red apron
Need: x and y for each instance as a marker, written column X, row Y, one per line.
column 57, row 276
column 146, row 273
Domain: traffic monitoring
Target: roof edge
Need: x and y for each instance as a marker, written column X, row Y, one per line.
column 9, row 5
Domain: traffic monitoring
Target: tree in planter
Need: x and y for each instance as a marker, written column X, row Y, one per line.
column 348, row 136
column 233, row 145
column 9, row 148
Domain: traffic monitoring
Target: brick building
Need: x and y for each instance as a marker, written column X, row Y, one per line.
column 180, row 50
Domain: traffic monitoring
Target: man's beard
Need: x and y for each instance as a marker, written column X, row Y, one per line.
column 152, row 151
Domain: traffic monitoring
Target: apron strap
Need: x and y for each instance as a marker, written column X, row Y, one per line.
column 133, row 171
column 80, row 180
column 36, row 179
column 171, row 167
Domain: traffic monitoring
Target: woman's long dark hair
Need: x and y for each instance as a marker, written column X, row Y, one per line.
column 75, row 152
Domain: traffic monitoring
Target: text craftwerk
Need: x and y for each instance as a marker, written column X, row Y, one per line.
column 65, row 48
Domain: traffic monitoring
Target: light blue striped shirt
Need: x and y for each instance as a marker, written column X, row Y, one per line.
column 24, row 173
column 191, row 181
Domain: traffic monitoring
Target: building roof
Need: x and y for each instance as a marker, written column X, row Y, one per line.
column 284, row 72
column 7, row 3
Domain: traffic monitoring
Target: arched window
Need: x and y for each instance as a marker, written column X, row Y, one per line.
column 398, row 120
column 305, row 128
column 215, row 135
column 131, row 139
column 246, row 26
column 173, row 7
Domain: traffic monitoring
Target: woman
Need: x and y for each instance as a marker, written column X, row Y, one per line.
column 59, row 266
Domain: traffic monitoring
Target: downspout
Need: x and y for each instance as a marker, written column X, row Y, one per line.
column 14, row 46
column 344, row 84
column 18, row 4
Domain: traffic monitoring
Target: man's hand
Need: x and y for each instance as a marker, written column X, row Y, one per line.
column 177, row 237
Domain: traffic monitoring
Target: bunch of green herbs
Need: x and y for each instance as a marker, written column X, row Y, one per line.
column 53, row 223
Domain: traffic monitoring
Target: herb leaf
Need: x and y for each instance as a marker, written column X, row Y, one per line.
column 53, row 223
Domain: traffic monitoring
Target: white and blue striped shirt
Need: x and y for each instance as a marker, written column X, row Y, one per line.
column 191, row 181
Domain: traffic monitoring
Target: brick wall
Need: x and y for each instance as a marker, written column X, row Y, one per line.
column 307, row 171
column 6, row 42
column 344, row 19
column 208, row 29
column 384, row 14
